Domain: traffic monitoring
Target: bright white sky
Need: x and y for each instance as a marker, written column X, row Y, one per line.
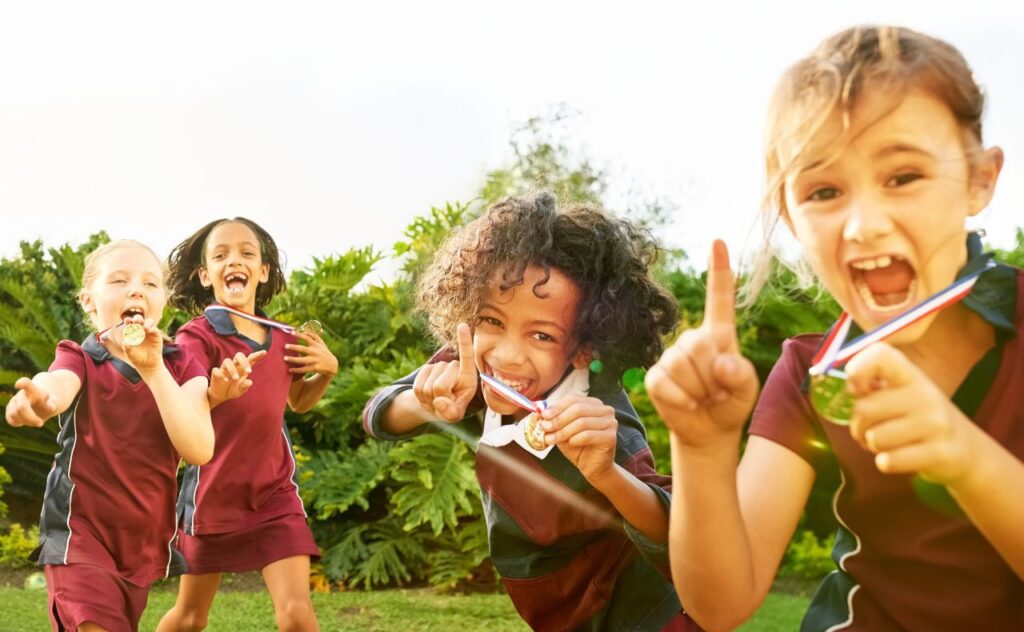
column 332, row 124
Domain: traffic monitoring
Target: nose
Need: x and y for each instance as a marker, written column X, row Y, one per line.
column 135, row 290
column 506, row 353
column 867, row 220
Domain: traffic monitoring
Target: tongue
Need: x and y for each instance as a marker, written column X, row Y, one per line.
column 895, row 277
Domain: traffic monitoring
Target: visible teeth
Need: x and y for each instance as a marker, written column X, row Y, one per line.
column 883, row 261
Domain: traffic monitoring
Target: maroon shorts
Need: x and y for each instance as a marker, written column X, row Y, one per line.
column 249, row 549
column 82, row 592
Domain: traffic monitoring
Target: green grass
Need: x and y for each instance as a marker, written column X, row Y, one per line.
column 403, row 610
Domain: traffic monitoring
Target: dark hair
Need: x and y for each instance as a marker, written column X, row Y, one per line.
column 188, row 294
column 622, row 313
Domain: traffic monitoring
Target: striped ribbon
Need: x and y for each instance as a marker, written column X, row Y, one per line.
column 834, row 352
column 101, row 335
column 256, row 319
column 513, row 395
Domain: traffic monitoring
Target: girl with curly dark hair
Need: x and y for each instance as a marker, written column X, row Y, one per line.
column 555, row 304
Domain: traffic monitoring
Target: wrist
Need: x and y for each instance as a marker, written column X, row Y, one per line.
column 606, row 478
column 152, row 373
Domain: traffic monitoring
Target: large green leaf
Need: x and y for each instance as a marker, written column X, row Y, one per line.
column 439, row 481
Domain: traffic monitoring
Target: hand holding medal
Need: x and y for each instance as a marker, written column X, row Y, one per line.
column 142, row 344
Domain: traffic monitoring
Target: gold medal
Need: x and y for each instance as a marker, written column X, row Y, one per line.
column 830, row 398
column 311, row 327
column 133, row 334
column 533, row 433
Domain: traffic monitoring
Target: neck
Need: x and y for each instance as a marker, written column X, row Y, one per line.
column 951, row 346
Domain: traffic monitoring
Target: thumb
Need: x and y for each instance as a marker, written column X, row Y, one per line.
column 33, row 393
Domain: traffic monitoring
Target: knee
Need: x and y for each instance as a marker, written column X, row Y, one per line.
column 296, row 615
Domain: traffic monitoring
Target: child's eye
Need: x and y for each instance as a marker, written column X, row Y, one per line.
column 119, row 281
column 152, row 284
column 488, row 320
column 823, row 194
column 218, row 256
column 543, row 337
column 903, row 179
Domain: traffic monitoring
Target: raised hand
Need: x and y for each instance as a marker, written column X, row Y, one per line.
column 904, row 419
column 444, row 389
column 231, row 378
column 31, row 405
column 584, row 429
column 315, row 358
column 702, row 387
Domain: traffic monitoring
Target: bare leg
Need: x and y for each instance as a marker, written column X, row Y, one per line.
column 192, row 607
column 288, row 583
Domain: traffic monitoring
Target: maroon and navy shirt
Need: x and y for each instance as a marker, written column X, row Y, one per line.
column 566, row 568
column 907, row 557
column 252, row 477
column 110, row 494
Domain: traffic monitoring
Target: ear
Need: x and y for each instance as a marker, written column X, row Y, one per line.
column 204, row 277
column 582, row 357
column 264, row 272
column 86, row 301
column 984, row 174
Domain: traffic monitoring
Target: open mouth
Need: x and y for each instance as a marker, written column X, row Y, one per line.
column 886, row 282
column 236, row 281
column 131, row 312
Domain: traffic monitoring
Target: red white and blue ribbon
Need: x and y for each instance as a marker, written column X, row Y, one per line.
column 834, row 352
column 102, row 335
column 513, row 395
column 254, row 318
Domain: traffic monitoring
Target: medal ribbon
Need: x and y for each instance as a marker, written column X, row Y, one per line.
column 834, row 352
column 256, row 319
column 513, row 395
column 106, row 332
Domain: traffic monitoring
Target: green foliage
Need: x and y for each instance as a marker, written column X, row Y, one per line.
column 439, row 484
column 16, row 545
column 809, row 557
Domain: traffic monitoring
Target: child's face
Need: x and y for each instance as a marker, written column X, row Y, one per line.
column 526, row 340
column 129, row 280
column 883, row 224
column 234, row 266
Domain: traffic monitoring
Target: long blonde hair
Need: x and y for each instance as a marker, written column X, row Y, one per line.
column 93, row 259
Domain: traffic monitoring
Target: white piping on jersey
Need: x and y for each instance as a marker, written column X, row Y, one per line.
column 295, row 466
column 842, row 560
column 170, row 552
column 195, row 506
column 71, row 458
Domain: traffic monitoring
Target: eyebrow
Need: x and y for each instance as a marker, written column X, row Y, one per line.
column 549, row 323
column 228, row 245
column 902, row 148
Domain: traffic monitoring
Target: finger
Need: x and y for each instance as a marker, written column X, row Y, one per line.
column 302, row 361
column 32, row 392
column 588, row 408
column 447, row 408
column 879, row 365
column 588, row 437
column 218, row 375
column 26, row 415
column 666, row 394
column 230, row 370
column 297, row 348
column 576, row 426
column 736, row 375
column 243, row 386
column 444, row 385
column 908, row 459
column 895, row 434
column 467, row 362
column 689, row 364
column 423, row 384
column 720, row 301
column 558, row 407
column 242, row 363
column 256, row 357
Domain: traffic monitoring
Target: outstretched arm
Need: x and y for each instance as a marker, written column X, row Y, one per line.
column 45, row 395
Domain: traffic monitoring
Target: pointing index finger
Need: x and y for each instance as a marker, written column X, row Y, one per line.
column 467, row 365
column 720, row 301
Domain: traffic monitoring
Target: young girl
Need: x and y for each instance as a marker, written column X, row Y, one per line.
column 545, row 292
column 875, row 161
column 128, row 406
column 242, row 511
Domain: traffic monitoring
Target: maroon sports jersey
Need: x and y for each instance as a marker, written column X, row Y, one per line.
column 252, row 477
column 110, row 494
column 908, row 558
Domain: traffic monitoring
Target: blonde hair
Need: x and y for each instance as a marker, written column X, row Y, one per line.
column 889, row 60
column 91, row 266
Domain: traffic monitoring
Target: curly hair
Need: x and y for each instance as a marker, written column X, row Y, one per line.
column 622, row 313
column 187, row 292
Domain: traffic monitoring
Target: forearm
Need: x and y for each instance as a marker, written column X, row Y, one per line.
column 186, row 419
column 636, row 502
column 403, row 414
column 990, row 495
column 62, row 386
column 711, row 555
column 310, row 392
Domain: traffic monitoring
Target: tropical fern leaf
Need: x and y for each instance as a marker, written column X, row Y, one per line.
column 339, row 482
column 439, row 482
